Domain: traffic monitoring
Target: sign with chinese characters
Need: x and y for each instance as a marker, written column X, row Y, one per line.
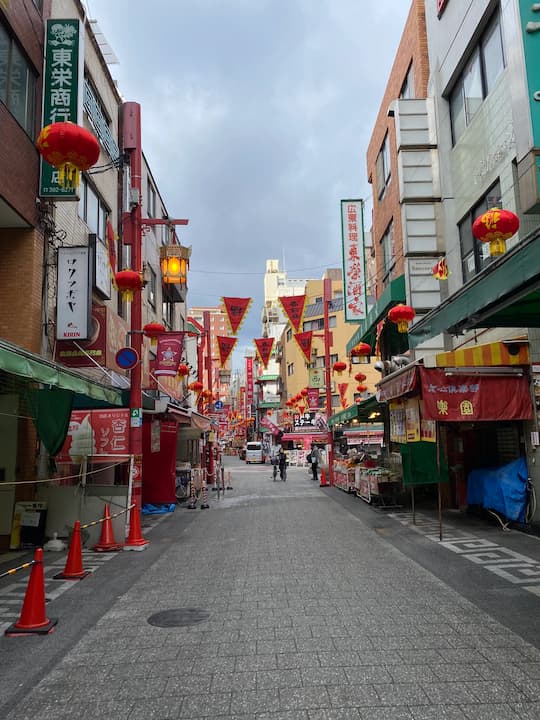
column 73, row 296
column 264, row 347
column 293, row 307
column 225, row 347
column 96, row 434
column 449, row 396
column 316, row 378
column 312, row 397
column 249, row 385
column 235, row 311
column 62, row 91
column 107, row 336
column 304, row 341
column 354, row 285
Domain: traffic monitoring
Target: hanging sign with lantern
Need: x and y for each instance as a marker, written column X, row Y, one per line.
column 174, row 264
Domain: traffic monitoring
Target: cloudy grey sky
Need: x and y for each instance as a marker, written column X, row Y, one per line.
column 256, row 117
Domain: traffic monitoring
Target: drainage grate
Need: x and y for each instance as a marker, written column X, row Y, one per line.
column 179, row 617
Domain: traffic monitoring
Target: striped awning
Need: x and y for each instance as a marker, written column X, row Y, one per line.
column 510, row 352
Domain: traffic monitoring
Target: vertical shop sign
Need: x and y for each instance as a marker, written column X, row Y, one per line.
column 73, row 298
column 62, row 91
column 249, row 385
column 352, row 234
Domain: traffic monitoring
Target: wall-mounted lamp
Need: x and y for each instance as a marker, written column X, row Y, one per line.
column 174, row 262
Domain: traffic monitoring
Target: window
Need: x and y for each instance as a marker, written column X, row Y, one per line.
column 336, row 401
column 475, row 254
column 152, row 287
column 331, row 321
column 289, row 335
column 17, row 83
column 151, row 201
column 383, row 168
column 407, row 89
column 290, row 368
column 92, row 209
column 478, row 78
column 388, row 257
column 167, row 309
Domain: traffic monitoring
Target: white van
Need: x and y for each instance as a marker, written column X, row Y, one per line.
column 254, row 452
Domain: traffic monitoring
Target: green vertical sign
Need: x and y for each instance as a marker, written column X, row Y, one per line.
column 62, row 91
column 530, row 25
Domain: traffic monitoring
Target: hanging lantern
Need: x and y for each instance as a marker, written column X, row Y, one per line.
column 401, row 315
column 206, row 394
column 196, row 386
column 70, row 148
column 182, row 370
column 361, row 388
column 153, row 330
column 339, row 367
column 128, row 282
column 174, row 263
column 496, row 226
column 360, row 377
column 303, row 392
column 440, row 270
column 361, row 350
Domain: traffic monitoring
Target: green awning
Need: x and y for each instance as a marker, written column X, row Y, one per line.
column 360, row 411
column 505, row 294
column 21, row 362
column 367, row 331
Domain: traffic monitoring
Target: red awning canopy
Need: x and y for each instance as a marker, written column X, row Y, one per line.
column 399, row 383
column 296, row 437
column 466, row 395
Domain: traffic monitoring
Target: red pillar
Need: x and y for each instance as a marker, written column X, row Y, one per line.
column 131, row 120
column 327, row 296
column 211, row 464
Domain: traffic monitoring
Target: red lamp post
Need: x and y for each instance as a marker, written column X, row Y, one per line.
column 327, row 297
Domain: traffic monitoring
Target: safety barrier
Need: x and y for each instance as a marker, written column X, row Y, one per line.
column 33, row 618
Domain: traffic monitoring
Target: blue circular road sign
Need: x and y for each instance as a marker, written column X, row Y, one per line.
column 127, row 358
column 218, row 405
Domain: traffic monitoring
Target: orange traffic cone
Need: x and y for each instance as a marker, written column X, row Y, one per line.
column 107, row 542
column 74, row 565
column 33, row 618
column 323, row 478
column 135, row 539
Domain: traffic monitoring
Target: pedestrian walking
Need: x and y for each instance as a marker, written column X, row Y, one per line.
column 282, row 463
column 313, row 458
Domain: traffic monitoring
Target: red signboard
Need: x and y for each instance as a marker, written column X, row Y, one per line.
column 313, row 402
column 249, row 382
column 225, row 346
column 264, row 349
column 235, row 310
column 304, row 341
column 169, row 353
column 293, row 307
column 97, row 434
column 450, row 397
column 108, row 336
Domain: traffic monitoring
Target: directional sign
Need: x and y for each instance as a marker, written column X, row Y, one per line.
column 127, row 358
column 218, row 405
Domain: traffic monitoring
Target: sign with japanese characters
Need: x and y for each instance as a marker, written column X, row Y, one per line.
column 449, row 396
column 62, row 91
column 73, row 294
column 249, row 384
column 354, row 285
column 309, row 421
column 96, row 434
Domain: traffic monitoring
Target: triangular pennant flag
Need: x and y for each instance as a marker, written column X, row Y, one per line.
column 293, row 307
column 264, row 349
column 235, row 309
column 225, row 346
column 304, row 341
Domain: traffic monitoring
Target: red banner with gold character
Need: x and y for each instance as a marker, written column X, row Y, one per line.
column 264, row 349
column 169, row 353
column 293, row 307
column 305, row 341
column 342, row 388
column 225, row 346
column 235, row 309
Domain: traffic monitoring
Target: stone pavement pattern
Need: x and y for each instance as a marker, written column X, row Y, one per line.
column 312, row 616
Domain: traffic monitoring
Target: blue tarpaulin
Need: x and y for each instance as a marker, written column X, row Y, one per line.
column 502, row 489
column 149, row 509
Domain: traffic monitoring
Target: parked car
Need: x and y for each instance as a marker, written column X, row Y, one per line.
column 254, row 452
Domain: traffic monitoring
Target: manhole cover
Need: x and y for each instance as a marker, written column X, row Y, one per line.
column 179, row 617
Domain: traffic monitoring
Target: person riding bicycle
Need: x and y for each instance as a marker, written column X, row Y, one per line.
column 282, row 464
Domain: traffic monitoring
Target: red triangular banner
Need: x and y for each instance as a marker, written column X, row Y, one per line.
column 293, row 307
column 304, row 341
column 264, row 349
column 235, row 309
column 225, row 346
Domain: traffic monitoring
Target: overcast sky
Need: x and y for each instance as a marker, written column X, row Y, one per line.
column 256, row 115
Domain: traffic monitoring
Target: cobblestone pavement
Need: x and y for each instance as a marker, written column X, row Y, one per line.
column 310, row 615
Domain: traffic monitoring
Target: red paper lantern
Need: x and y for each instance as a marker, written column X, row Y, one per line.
column 303, row 392
column 401, row 315
column 127, row 282
column 153, row 330
column 182, row 370
column 196, row 386
column 361, row 388
column 360, row 377
column 361, row 350
column 70, row 148
column 339, row 367
column 496, row 226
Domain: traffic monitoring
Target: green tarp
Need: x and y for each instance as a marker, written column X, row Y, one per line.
column 419, row 461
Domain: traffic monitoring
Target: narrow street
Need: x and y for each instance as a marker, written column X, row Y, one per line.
column 293, row 602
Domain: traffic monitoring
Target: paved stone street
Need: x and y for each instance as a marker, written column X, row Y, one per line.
column 310, row 615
